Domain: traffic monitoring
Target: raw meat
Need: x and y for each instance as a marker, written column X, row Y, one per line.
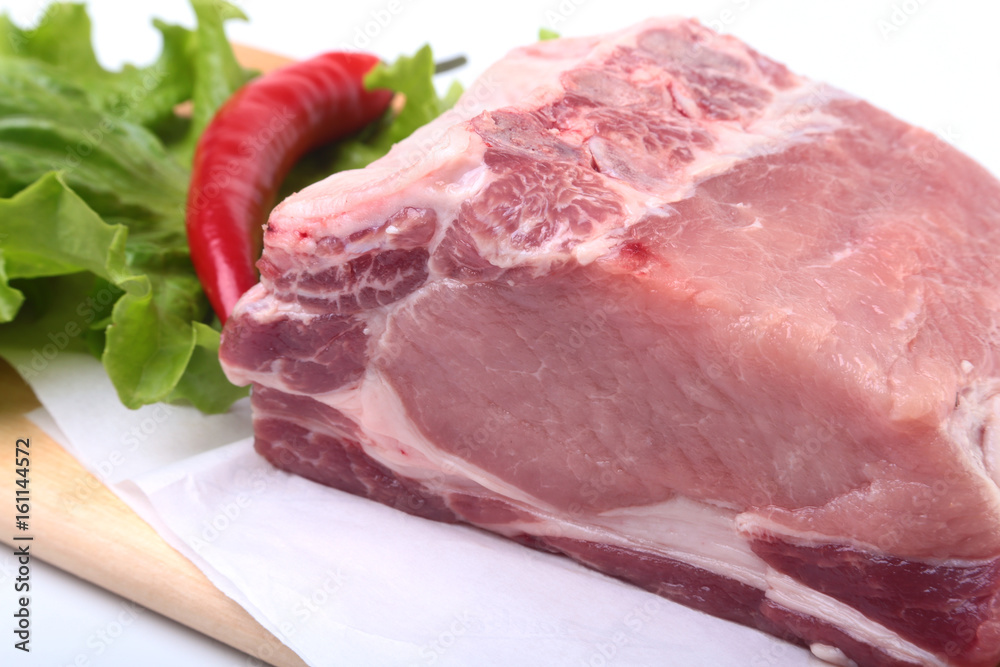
column 655, row 302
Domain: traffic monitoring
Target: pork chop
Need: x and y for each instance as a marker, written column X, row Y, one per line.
column 653, row 301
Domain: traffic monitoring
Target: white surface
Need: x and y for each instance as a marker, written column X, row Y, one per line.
column 932, row 63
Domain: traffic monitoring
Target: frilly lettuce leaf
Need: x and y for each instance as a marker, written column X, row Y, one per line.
column 93, row 180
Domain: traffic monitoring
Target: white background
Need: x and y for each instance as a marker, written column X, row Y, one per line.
column 933, row 63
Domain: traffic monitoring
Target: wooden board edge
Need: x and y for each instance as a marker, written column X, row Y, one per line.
column 77, row 524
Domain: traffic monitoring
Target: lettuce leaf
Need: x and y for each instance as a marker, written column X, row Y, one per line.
column 216, row 73
column 93, row 252
column 61, row 47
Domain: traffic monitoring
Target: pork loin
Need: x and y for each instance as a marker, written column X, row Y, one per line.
column 652, row 301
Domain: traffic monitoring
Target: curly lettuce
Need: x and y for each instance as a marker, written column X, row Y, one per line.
column 94, row 168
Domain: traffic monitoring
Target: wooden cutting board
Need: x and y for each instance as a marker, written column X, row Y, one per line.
column 78, row 525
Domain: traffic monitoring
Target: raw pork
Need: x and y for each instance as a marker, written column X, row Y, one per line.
column 655, row 302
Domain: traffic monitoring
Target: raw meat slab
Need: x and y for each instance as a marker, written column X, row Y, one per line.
column 652, row 301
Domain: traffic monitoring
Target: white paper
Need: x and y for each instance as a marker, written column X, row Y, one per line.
column 346, row 581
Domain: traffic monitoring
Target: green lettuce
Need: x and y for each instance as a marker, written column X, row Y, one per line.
column 94, row 169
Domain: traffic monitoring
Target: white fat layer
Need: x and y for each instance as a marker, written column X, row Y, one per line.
column 681, row 529
column 792, row 117
column 974, row 425
column 377, row 407
column 832, row 655
column 792, row 595
column 698, row 533
column 752, row 524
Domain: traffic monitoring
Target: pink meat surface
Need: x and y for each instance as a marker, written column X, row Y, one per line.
column 653, row 301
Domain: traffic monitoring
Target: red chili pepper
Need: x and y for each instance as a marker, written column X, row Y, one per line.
column 247, row 150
